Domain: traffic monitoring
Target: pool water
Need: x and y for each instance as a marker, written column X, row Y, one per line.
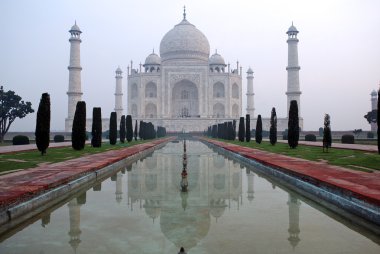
column 229, row 209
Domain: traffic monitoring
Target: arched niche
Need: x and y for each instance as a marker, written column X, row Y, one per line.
column 235, row 111
column 218, row 90
column 218, row 110
column 134, row 91
column 185, row 100
column 150, row 110
column 235, row 91
column 151, row 90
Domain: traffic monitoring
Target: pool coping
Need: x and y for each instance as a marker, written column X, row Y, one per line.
column 312, row 187
column 35, row 205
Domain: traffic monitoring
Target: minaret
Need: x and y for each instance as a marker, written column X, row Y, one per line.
column 119, row 187
column 293, row 92
column 75, row 89
column 294, row 220
column 74, row 233
column 250, row 94
column 250, row 179
column 119, row 94
column 373, row 107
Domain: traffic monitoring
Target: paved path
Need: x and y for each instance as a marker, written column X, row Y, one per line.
column 361, row 185
column 22, row 185
column 366, row 148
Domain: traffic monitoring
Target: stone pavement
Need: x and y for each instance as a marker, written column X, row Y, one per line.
column 357, row 184
column 366, row 148
column 23, row 185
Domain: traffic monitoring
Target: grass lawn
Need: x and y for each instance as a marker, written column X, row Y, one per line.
column 357, row 160
column 31, row 159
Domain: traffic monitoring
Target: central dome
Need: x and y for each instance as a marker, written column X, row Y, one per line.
column 184, row 41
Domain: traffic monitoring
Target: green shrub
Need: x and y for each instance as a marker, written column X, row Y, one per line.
column 59, row 138
column 370, row 135
column 20, row 140
column 310, row 137
column 348, row 139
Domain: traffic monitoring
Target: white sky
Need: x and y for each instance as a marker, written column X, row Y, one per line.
column 339, row 50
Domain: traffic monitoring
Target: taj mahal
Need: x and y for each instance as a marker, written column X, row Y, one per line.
column 183, row 88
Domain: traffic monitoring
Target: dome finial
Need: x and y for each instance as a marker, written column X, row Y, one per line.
column 153, row 50
column 184, row 12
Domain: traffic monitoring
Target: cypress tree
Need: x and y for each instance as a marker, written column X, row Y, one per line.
column 273, row 127
column 113, row 128
column 78, row 135
column 122, row 129
column 141, row 130
column 230, row 131
column 378, row 120
column 233, row 129
column 241, row 133
column 293, row 125
column 259, row 130
column 96, row 131
column 43, row 124
column 129, row 128
column 247, row 128
column 135, row 133
column 326, row 133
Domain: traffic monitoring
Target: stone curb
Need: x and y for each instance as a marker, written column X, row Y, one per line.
column 317, row 189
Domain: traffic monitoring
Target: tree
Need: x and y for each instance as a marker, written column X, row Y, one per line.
column 326, row 133
column 241, row 133
column 273, row 127
column 233, row 129
column 96, row 131
column 247, row 128
column 129, row 128
column 378, row 117
column 122, row 129
column 113, row 128
column 11, row 107
column 135, row 133
column 43, row 124
column 78, row 134
column 259, row 130
column 371, row 116
column 293, row 125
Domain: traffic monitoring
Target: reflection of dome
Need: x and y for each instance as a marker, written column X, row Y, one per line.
column 184, row 41
column 152, row 208
column 217, row 208
column 185, row 228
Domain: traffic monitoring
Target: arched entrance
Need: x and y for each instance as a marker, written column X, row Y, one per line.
column 185, row 102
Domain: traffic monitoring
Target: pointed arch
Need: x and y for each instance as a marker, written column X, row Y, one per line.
column 150, row 110
column 218, row 90
column 235, row 91
column 151, row 90
column 218, row 110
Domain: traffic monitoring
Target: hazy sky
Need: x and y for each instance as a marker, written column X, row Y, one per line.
column 339, row 50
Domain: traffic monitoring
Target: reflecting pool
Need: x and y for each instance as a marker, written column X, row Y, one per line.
column 229, row 208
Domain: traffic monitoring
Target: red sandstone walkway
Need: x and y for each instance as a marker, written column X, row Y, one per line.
column 362, row 185
column 21, row 185
column 21, row 148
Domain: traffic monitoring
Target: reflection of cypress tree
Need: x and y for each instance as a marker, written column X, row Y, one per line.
column 97, row 187
column 78, row 135
column 113, row 128
column 43, row 124
column 247, row 128
column 293, row 125
column 241, row 129
column 259, row 130
column 96, row 140
column 129, row 128
column 122, row 129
